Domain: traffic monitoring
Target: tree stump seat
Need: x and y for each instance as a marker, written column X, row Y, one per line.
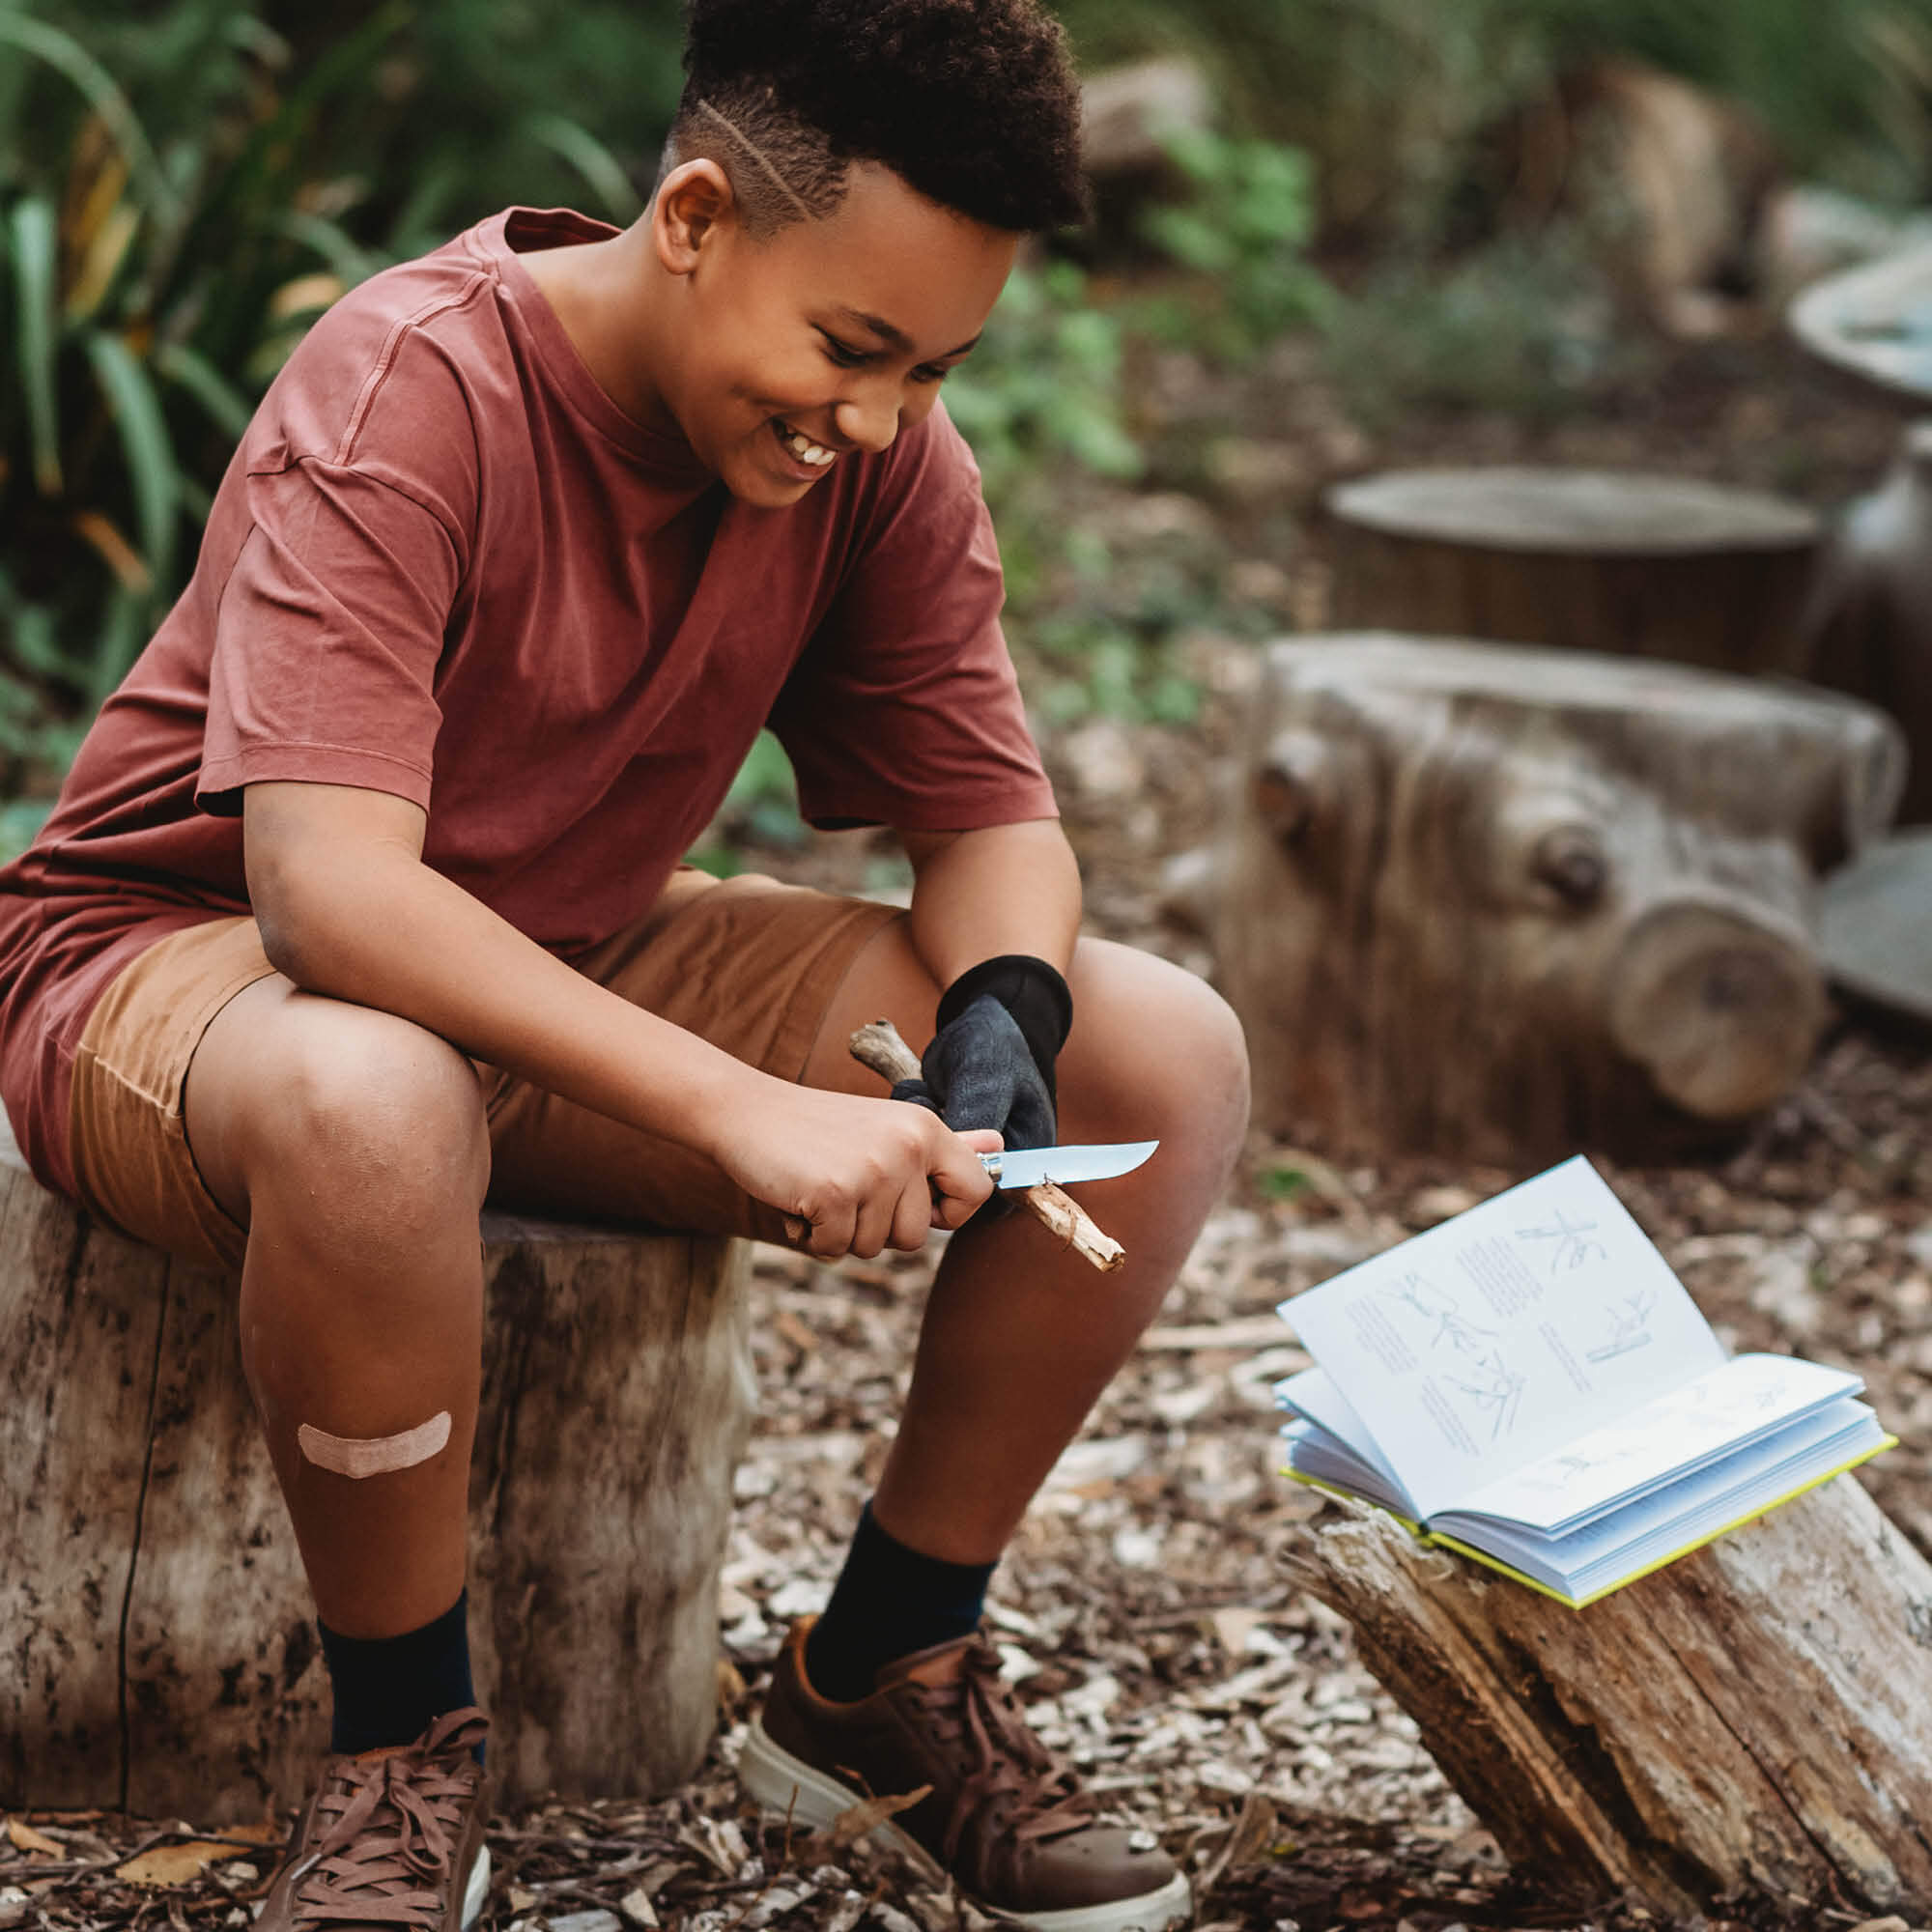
column 1750, row 1722
column 1597, row 560
column 157, row 1648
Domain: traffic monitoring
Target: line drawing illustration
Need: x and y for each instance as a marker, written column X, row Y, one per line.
column 1437, row 1306
column 1575, row 1247
column 1498, row 1392
column 1630, row 1327
column 1569, row 1469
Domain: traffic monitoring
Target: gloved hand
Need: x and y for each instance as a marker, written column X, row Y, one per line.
column 990, row 1064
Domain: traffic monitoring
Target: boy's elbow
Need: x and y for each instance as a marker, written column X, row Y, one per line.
column 292, row 908
column 287, row 936
column 317, row 859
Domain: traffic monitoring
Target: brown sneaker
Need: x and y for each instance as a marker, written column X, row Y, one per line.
column 392, row 1839
column 1005, row 1817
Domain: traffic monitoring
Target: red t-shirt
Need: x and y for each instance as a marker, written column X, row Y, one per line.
column 444, row 564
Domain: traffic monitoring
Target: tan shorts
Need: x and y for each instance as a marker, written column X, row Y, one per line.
column 748, row 964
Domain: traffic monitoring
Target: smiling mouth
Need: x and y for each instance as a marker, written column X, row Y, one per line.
column 800, row 446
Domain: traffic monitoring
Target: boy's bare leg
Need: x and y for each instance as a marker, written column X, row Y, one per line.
column 351, row 1145
column 1021, row 1336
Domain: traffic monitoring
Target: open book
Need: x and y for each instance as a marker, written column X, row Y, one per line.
column 1530, row 1384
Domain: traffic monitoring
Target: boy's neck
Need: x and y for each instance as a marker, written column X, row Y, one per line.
column 601, row 293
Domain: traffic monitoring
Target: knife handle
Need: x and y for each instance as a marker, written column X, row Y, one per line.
column 878, row 1045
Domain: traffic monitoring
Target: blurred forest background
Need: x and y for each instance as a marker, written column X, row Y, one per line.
column 1376, row 230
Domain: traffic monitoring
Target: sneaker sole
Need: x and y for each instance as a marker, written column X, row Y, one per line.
column 478, row 1889
column 791, row 1789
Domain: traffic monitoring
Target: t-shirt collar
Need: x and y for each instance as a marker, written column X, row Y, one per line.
column 517, row 231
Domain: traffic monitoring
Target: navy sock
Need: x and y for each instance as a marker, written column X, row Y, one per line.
column 389, row 1689
column 888, row 1602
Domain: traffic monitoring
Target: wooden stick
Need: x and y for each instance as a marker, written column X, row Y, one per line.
column 878, row 1045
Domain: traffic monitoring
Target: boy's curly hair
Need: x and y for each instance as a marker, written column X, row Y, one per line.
column 973, row 102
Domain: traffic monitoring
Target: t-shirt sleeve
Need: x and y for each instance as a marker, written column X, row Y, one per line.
column 904, row 709
column 331, row 622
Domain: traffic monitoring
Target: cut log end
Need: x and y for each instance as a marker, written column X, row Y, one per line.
column 1540, row 900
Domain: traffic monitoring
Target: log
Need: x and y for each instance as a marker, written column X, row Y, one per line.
column 1671, row 183
column 1129, row 115
column 1637, row 565
column 1503, row 903
column 1870, row 322
column 1869, row 620
column 157, row 1648
column 1750, row 1720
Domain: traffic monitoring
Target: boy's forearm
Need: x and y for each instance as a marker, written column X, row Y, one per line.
column 366, row 920
column 1003, row 888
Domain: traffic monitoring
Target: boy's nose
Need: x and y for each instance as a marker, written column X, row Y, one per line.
column 868, row 422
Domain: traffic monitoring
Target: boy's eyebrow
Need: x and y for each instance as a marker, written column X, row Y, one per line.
column 895, row 337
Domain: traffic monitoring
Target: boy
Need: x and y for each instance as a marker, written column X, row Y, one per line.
column 362, row 902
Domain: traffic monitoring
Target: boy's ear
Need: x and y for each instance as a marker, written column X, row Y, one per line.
column 696, row 197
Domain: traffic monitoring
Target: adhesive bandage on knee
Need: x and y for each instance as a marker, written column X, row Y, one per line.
column 380, row 1455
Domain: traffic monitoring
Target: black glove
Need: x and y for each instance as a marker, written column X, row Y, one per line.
column 990, row 1064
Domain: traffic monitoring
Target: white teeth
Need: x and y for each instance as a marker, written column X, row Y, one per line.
column 804, row 450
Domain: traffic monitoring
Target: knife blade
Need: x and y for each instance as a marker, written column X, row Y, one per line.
column 1026, row 1167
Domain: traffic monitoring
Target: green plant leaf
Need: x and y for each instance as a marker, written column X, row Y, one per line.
column 330, row 240
column 592, row 159
column 33, row 639
column 1281, row 1183
column 21, row 822
column 123, row 632
column 765, row 775
column 145, row 440
column 34, row 245
column 226, row 405
column 66, row 56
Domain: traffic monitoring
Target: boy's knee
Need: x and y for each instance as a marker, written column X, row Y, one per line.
column 1156, row 1045
column 379, row 1122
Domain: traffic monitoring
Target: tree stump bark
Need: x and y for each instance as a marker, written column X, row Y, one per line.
column 1752, row 1719
column 157, row 1648
column 1869, row 321
column 1642, row 566
column 1481, row 899
column 1870, row 616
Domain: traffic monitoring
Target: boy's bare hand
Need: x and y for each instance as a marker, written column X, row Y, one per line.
column 856, row 1176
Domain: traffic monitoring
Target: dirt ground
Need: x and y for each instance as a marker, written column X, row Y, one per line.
column 1145, row 1609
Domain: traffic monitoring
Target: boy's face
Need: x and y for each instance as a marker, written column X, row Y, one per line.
column 793, row 353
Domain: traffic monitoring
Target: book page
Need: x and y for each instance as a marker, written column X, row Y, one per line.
column 1313, row 1394
column 1481, row 1344
column 1665, row 1439
column 1687, row 1512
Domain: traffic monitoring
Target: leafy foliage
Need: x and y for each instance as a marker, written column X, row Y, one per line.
column 476, row 104
column 162, row 251
column 761, row 809
column 1044, row 384
column 1393, row 98
column 1245, row 232
column 1529, row 329
column 1046, row 398
column 182, row 191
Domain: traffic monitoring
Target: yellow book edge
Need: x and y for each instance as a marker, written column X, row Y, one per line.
column 1434, row 1539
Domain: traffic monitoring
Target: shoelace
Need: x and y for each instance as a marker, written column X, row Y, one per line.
column 979, row 1706
column 384, row 1857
